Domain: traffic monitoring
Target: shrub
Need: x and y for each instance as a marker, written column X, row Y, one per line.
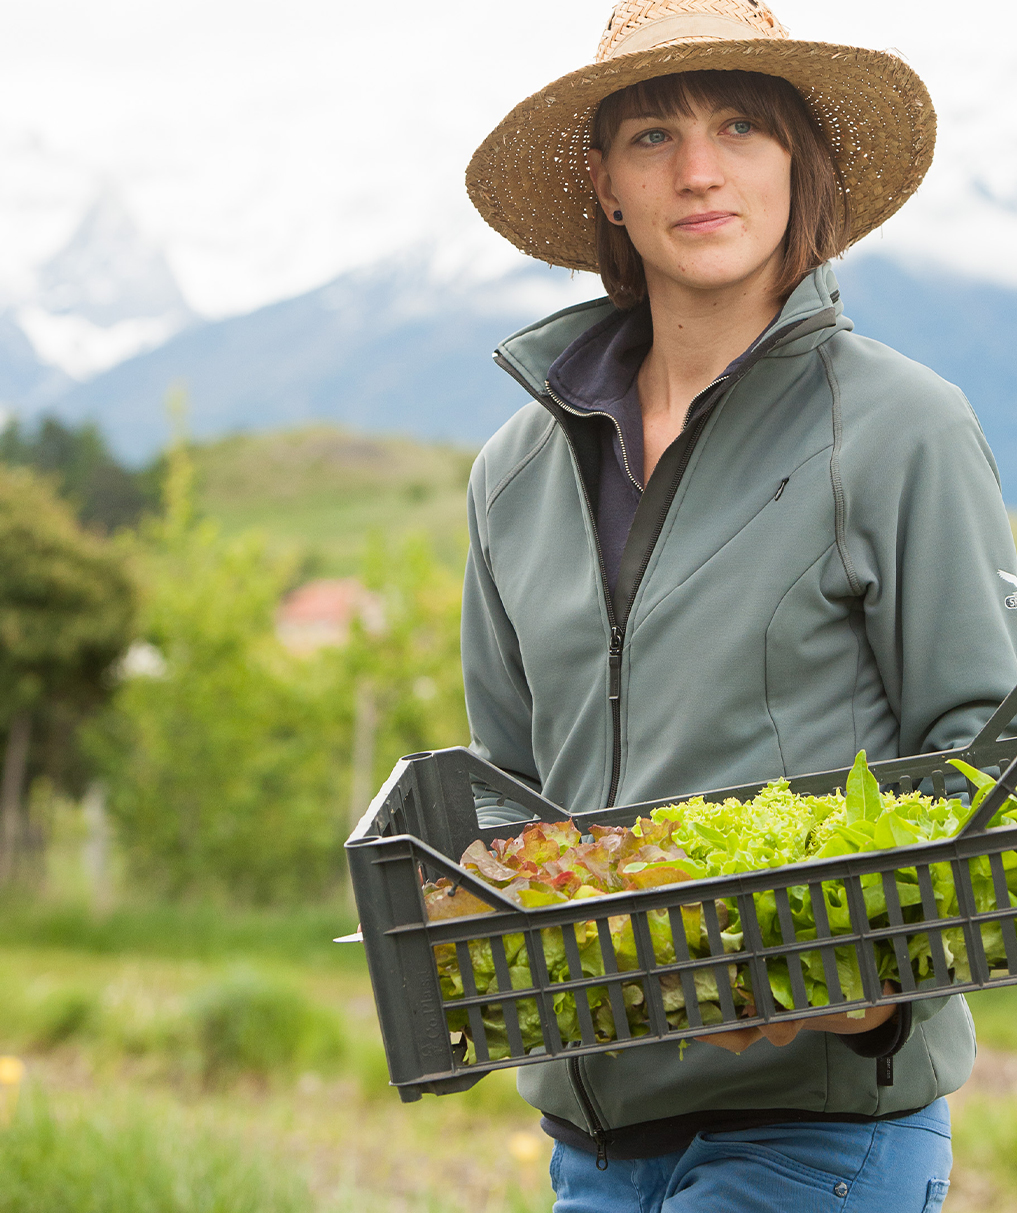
column 367, row 1061
column 63, row 1015
column 248, row 1024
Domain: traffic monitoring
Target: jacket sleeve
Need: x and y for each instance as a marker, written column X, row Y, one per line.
column 925, row 539
column 498, row 701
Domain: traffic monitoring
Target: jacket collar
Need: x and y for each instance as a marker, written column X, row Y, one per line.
column 598, row 370
column 812, row 315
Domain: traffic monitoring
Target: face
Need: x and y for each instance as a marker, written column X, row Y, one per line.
column 705, row 200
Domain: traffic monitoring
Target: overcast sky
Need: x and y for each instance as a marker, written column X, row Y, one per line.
column 268, row 144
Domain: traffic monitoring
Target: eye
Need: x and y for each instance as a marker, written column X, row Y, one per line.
column 652, row 138
column 742, row 126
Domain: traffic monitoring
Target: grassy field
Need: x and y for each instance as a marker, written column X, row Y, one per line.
column 256, row 1080
column 321, row 491
column 248, row 1077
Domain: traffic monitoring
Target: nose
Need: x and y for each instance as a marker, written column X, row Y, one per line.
column 698, row 167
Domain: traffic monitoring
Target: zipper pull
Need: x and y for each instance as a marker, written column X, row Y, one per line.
column 601, row 1141
column 614, row 664
column 783, row 486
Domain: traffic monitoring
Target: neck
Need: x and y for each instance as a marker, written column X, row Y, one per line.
column 696, row 334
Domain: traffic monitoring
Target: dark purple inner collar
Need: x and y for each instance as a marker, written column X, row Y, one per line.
column 598, row 373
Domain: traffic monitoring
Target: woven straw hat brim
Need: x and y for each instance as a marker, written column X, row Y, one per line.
column 529, row 178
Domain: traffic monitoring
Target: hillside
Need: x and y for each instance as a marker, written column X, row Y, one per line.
column 321, row 491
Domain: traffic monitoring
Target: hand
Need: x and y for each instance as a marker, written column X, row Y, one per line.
column 735, row 1041
column 781, row 1034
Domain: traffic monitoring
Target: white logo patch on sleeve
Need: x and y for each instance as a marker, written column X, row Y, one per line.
column 1011, row 599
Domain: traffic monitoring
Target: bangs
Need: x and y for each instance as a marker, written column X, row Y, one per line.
column 766, row 100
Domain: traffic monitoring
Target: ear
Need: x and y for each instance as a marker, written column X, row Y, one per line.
column 601, row 178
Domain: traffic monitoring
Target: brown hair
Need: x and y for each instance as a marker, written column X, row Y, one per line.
column 818, row 228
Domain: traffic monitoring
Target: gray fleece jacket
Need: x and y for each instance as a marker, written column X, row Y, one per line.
column 813, row 570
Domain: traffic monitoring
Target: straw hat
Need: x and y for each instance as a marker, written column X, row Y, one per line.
column 529, row 178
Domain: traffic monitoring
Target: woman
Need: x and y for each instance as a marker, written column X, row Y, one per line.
column 728, row 540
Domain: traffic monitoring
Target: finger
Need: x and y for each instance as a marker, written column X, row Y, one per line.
column 781, row 1034
column 841, row 1025
column 735, row 1041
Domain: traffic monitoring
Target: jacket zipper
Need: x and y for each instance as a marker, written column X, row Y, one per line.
column 617, row 641
column 596, row 413
column 577, row 1081
column 589, row 1111
column 617, row 633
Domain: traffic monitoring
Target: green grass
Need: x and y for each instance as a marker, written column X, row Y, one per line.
column 128, row 1155
column 134, row 1158
column 225, row 1065
column 201, row 932
column 319, row 492
column 262, row 1049
column 985, row 1156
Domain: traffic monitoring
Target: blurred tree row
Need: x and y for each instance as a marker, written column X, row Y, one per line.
column 103, row 493
column 222, row 754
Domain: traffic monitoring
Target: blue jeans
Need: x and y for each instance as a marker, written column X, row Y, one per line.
column 889, row 1166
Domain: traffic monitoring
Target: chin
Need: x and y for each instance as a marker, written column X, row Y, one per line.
column 713, row 274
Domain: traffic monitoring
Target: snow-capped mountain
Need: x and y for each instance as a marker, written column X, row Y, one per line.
column 108, row 272
column 93, row 324
column 391, row 348
column 27, row 385
column 107, row 295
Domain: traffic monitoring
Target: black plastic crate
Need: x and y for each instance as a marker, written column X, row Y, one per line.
column 425, row 817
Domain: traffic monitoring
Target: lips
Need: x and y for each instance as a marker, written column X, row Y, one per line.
column 706, row 221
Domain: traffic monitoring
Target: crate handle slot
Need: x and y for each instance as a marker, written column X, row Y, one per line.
column 1006, row 786
column 998, row 721
column 443, row 781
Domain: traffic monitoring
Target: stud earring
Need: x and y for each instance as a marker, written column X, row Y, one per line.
column 617, row 216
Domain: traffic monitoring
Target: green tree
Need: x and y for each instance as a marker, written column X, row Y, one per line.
column 104, row 494
column 224, row 761
column 412, row 662
column 228, row 761
column 66, row 609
